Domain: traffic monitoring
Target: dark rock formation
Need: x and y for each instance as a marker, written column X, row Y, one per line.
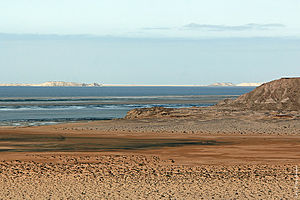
column 148, row 112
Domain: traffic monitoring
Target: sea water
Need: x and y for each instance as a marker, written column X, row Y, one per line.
column 30, row 106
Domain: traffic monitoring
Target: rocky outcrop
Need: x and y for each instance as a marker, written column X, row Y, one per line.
column 282, row 94
column 148, row 112
column 278, row 95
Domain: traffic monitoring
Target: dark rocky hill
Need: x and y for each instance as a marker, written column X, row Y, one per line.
column 278, row 95
column 282, row 94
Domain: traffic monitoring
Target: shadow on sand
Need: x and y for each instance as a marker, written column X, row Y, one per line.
column 42, row 143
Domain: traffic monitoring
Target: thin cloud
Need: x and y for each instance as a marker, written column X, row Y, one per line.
column 156, row 28
column 251, row 26
column 29, row 36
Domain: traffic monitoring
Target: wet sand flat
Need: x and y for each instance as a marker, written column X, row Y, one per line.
column 189, row 149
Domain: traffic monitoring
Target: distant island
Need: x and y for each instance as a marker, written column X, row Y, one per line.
column 74, row 84
column 57, row 84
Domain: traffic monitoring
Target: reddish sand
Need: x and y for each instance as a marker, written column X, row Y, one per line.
column 236, row 167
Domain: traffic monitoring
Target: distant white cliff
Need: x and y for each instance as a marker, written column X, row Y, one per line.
column 239, row 85
column 222, row 84
column 57, row 84
column 249, row 84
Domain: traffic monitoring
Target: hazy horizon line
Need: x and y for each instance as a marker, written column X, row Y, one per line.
column 126, row 84
column 8, row 35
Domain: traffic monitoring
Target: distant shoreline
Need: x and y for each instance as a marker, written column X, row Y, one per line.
column 74, row 84
column 132, row 85
column 129, row 85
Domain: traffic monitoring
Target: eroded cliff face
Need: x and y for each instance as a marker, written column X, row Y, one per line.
column 282, row 94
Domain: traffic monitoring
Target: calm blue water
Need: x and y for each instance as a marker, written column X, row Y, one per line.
column 46, row 105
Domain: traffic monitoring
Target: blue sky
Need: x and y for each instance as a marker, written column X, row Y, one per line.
column 154, row 18
column 149, row 42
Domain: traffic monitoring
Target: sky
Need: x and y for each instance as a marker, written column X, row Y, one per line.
column 149, row 42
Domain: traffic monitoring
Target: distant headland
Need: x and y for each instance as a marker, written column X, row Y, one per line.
column 74, row 84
